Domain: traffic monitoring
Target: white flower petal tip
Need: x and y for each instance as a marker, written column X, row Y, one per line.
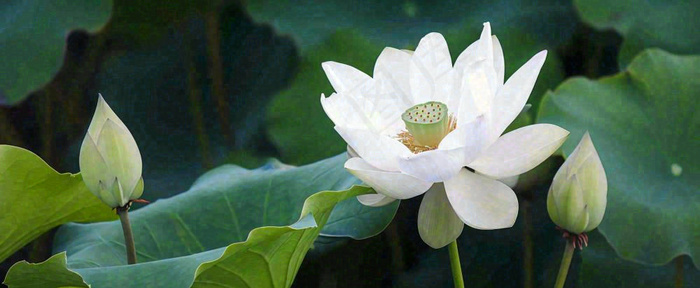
column 480, row 202
column 513, row 95
column 375, row 200
column 391, row 184
column 438, row 225
column 344, row 78
column 520, row 150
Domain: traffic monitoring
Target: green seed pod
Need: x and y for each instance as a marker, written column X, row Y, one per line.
column 428, row 123
column 110, row 161
column 578, row 195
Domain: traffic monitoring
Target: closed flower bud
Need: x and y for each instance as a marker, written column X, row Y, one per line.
column 110, row 161
column 577, row 198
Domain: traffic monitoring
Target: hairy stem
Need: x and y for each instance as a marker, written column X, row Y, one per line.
column 456, row 266
column 123, row 213
column 565, row 263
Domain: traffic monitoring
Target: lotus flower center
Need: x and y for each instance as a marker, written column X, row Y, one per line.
column 426, row 125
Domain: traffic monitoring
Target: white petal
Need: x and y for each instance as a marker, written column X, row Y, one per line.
column 345, row 78
column 498, row 61
column 438, row 225
column 344, row 112
column 121, row 155
column 480, row 202
column 511, row 181
column 93, row 167
column 391, row 77
column 486, row 44
column 514, row 94
column 430, row 72
column 102, row 113
column 477, row 90
column 520, row 150
column 392, row 184
column 466, row 133
column 434, row 165
column 375, row 200
column 466, row 59
column 380, row 151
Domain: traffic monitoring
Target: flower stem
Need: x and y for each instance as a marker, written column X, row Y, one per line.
column 456, row 266
column 565, row 262
column 123, row 213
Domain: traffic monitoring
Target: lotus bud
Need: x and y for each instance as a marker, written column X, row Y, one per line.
column 110, row 161
column 578, row 195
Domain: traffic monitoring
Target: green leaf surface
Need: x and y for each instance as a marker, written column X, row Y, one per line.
column 33, row 35
column 36, row 198
column 54, row 266
column 602, row 267
column 175, row 236
column 644, row 124
column 669, row 25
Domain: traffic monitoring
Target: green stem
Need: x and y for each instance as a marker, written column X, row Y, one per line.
column 456, row 266
column 123, row 213
column 565, row 263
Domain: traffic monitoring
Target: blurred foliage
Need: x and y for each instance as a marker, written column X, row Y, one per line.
column 32, row 35
column 642, row 122
column 671, row 25
column 174, row 236
column 36, row 199
column 200, row 84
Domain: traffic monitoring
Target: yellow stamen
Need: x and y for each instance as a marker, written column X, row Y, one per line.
column 407, row 139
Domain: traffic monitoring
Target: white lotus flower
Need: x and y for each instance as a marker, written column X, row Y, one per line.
column 421, row 122
column 110, row 161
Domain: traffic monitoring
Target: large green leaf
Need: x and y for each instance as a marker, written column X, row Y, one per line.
column 36, row 198
column 174, row 236
column 601, row 267
column 33, row 35
column 644, row 124
column 54, row 266
column 669, row 25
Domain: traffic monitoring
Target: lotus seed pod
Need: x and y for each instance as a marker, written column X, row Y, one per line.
column 577, row 198
column 110, row 161
column 428, row 123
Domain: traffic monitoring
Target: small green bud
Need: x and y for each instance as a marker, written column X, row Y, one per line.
column 110, row 161
column 578, row 195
